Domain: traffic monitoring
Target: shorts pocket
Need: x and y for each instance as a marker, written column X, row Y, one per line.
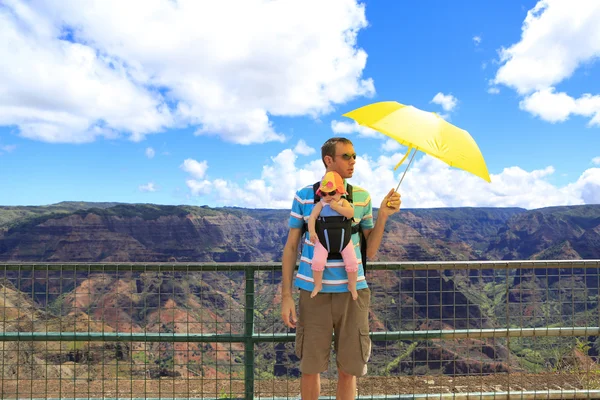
column 364, row 299
column 365, row 344
column 299, row 341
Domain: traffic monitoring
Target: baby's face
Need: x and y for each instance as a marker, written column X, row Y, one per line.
column 331, row 196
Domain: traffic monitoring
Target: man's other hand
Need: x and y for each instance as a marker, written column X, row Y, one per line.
column 288, row 311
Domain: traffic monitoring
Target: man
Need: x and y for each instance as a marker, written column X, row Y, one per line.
column 333, row 309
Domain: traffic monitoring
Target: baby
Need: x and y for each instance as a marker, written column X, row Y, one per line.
column 331, row 222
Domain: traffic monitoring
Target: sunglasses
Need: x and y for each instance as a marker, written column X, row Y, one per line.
column 325, row 194
column 347, row 156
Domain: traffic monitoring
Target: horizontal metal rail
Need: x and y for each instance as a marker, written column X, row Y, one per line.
column 379, row 266
column 289, row 337
column 525, row 395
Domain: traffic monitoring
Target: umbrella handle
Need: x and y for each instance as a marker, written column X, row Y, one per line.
column 401, row 179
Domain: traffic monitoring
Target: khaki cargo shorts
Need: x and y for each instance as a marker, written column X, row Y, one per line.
column 329, row 313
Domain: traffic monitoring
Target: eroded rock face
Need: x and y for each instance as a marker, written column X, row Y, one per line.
column 93, row 238
column 151, row 233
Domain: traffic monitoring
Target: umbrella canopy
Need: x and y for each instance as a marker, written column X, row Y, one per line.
column 425, row 131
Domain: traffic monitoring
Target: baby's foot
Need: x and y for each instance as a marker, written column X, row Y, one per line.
column 316, row 290
column 353, row 291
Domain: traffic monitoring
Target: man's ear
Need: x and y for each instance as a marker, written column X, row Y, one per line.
column 328, row 160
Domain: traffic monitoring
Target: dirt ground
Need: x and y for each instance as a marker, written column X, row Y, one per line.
column 197, row 388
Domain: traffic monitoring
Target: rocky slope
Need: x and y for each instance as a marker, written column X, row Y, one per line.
column 144, row 232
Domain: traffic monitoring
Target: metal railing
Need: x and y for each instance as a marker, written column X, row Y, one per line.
column 510, row 329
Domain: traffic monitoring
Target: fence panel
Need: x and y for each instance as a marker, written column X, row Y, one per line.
column 518, row 329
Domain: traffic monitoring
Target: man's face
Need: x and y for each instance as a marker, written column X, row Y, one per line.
column 344, row 160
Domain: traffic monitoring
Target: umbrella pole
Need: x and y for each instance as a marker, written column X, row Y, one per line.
column 411, row 159
column 401, row 179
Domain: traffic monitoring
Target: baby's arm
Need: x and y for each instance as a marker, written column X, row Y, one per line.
column 346, row 209
column 312, row 219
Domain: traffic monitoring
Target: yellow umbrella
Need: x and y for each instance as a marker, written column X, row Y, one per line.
column 425, row 131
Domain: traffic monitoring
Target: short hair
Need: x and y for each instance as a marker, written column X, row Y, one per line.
column 328, row 148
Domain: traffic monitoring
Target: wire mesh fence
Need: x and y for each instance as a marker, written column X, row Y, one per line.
column 518, row 329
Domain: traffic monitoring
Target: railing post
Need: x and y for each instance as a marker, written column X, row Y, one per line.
column 248, row 334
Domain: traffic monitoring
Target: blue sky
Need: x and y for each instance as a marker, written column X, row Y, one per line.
column 185, row 102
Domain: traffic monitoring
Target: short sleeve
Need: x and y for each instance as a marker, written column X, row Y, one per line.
column 297, row 213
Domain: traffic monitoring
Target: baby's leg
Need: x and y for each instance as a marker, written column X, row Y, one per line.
column 318, row 277
column 351, row 263
column 317, row 266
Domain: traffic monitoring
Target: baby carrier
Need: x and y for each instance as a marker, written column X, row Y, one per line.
column 335, row 232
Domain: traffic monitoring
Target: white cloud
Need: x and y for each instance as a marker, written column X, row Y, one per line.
column 113, row 68
column 550, row 106
column 199, row 187
column 274, row 188
column 587, row 187
column 345, row 128
column 303, row 149
column 149, row 187
column 477, row 40
column 596, row 160
column 447, row 101
column 428, row 183
column 390, row 145
column 70, row 93
column 493, row 90
column 150, row 152
column 432, row 183
column 557, row 107
column 195, row 168
column 8, row 148
column 557, row 39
